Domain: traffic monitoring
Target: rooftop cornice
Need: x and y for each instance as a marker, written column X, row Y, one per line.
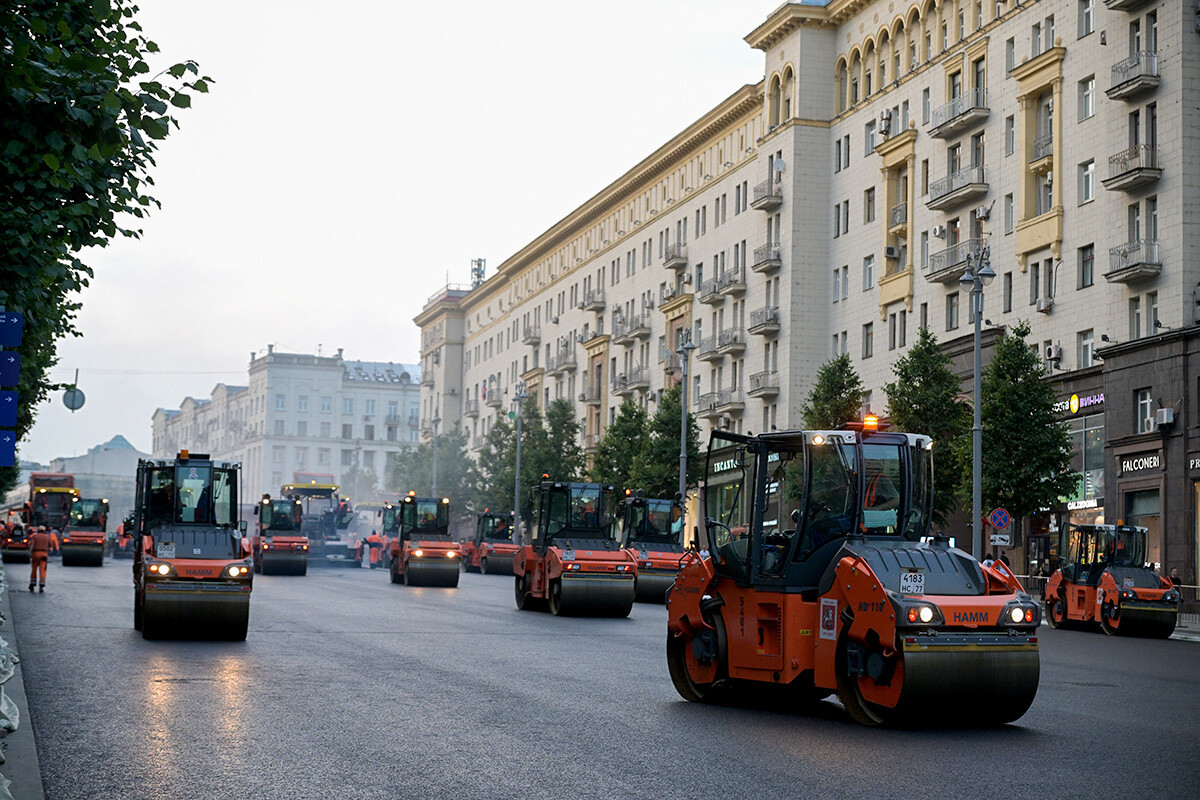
column 790, row 16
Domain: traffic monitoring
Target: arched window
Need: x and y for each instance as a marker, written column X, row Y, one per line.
column 788, row 90
column 842, row 85
column 774, row 112
column 855, row 75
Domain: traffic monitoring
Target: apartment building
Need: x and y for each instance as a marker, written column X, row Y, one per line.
column 300, row 413
column 832, row 208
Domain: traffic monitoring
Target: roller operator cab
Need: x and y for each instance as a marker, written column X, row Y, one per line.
column 423, row 553
column 82, row 541
column 279, row 544
column 124, row 542
column 652, row 530
column 575, row 564
column 492, row 548
column 819, row 577
column 51, row 495
column 1103, row 580
column 324, row 517
column 193, row 573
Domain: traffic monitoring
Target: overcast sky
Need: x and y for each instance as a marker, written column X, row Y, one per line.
column 351, row 158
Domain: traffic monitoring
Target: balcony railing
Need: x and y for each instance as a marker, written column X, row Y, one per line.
column 629, row 382
column 768, row 196
column 731, row 340
column 471, row 408
column 764, row 384
column 675, row 256
column 898, row 215
column 1134, row 75
column 1133, row 260
column 562, row 361
column 672, row 362
column 708, row 349
column 1133, row 168
column 593, row 300
column 494, row 399
column 732, row 281
column 767, row 258
column 710, row 292
column 1043, row 146
column 706, row 403
column 956, row 188
column 532, row 334
column 427, row 378
column 964, row 110
column 591, row 395
column 764, row 320
column 730, row 400
column 946, row 266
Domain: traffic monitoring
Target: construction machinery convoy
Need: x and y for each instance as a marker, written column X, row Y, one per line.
column 423, row 552
column 847, row 597
column 192, row 572
column 83, row 539
column 575, row 565
column 279, row 545
column 652, row 529
column 325, row 518
column 1102, row 579
column 48, row 504
column 492, row 548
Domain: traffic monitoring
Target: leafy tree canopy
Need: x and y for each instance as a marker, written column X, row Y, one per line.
column 657, row 468
column 412, row 470
column 618, row 450
column 836, row 397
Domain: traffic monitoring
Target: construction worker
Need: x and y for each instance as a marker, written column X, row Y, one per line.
column 40, row 545
column 375, row 543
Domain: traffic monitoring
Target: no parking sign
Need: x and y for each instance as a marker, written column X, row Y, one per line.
column 999, row 519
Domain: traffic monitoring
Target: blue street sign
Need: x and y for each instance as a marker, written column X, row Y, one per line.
column 12, row 323
column 999, row 519
column 8, row 448
column 8, row 409
column 10, row 369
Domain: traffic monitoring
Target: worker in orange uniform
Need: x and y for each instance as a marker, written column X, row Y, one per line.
column 40, row 545
column 375, row 542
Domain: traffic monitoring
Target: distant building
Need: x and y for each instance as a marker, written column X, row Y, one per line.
column 105, row 471
column 301, row 413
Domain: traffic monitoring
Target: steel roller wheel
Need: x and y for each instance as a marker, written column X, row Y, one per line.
column 483, row 565
column 1056, row 612
column 849, row 692
column 555, row 599
column 522, row 596
column 1107, row 623
column 395, row 573
column 689, row 688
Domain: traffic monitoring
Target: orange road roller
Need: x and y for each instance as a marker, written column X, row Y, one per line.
column 280, row 546
column 423, row 553
column 491, row 549
column 652, row 530
column 82, row 541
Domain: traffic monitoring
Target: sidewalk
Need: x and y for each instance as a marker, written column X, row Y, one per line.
column 1187, row 631
column 18, row 748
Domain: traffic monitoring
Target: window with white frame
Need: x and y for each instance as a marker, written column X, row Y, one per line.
column 280, row 402
column 952, row 311
column 1087, row 17
column 868, row 272
column 1087, row 181
column 1008, row 213
column 1086, row 348
column 868, row 339
column 1144, row 403
column 1087, row 98
column 1010, row 135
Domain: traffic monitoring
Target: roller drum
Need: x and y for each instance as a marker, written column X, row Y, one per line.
column 196, row 614
column 432, row 573
column 1147, row 622
column 586, row 596
column 83, row 555
column 496, row 564
column 652, row 586
column 280, row 562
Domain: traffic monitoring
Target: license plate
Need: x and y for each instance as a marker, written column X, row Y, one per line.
column 166, row 550
column 912, row 583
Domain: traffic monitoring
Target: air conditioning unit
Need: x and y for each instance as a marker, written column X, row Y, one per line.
column 939, row 231
column 1053, row 352
column 885, row 121
column 583, row 397
column 1149, row 424
column 1044, row 304
column 452, row 392
column 554, row 320
column 1165, row 416
column 891, row 251
column 687, row 277
column 983, row 212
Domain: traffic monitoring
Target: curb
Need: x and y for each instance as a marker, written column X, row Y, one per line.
column 19, row 748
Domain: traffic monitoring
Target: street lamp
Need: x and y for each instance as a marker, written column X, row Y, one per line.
column 685, row 349
column 979, row 273
column 520, row 396
column 436, row 421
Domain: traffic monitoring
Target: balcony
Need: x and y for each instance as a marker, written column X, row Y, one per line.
column 768, row 196
column 706, row 405
column 1043, row 147
column 413, row 420
column 954, row 190
column 764, row 384
column 1133, row 261
column 672, row 362
column 675, row 256
column 427, row 378
column 730, row 401
column 627, row 331
column 710, row 292
column 707, row 351
column 959, row 114
column 1133, row 168
column 732, row 282
column 392, row 419
column 637, row 379
column 1122, row 5
column 947, row 266
column 767, row 258
column 494, row 399
column 621, row 387
column 590, row 441
column 532, row 334
column 898, row 218
column 590, row 396
column 561, row 362
column 764, row 321
column 477, row 442
column 731, row 341
column 1134, row 75
column 471, row 408
column 593, row 301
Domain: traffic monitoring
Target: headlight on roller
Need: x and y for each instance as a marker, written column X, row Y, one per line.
column 237, row 571
column 418, row 553
column 451, row 554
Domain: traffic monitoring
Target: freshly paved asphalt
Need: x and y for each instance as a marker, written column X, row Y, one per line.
column 350, row 687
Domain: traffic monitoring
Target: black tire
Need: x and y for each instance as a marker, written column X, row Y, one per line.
column 395, row 573
column 137, row 609
column 689, row 689
column 1056, row 613
column 522, row 596
column 555, row 598
column 1106, row 613
column 483, row 569
column 860, row 710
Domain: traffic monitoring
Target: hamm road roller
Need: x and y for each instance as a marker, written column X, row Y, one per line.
column 575, row 564
column 82, row 542
column 491, row 550
column 820, row 577
column 279, row 545
column 192, row 573
column 1103, row 580
column 652, row 529
column 423, row 554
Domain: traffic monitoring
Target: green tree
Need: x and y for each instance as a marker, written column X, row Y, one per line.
column 1026, row 449
column 836, row 397
column 80, row 119
column 412, row 470
column 925, row 398
column 563, row 458
column 493, row 473
column 619, row 448
column 657, row 468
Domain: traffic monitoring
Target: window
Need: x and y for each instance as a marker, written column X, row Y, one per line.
column 845, row 281
column 1144, row 403
column 925, row 107
column 868, row 336
column 1008, row 292
column 279, row 427
column 1008, row 213
column 1035, row 39
column 302, row 428
column 1087, row 19
column 347, row 431
column 837, row 156
column 1087, row 265
column 869, row 137
column 868, row 272
column 280, row 402
column 837, row 284
column 869, row 205
column 1135, row 318
column 277, row 454
column 325, row 430
column 952, row 311
column 1086, row 348
column 924, row 249
column 323, row 455
column 369, row 432
column 347, row 458
column 369, row 408
column 925, row 176
column 924, row 315
column 1010, row 136
column 1151, row 313
column 347, row 405
column 892, row 331
column 302, row 403
column 1010, row 55
column 1035, row 281
column 326, row 405
column 1087, row 98
column 845, row 216
column 1087, row 181
column 837, row 220
column 902, row 326
column 1152, row 218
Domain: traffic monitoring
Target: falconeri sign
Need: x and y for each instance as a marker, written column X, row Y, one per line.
column 1141, row 463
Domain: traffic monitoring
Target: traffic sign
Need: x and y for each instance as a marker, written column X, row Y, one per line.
column 8, row 448
column 999, row 518
column 1001, row 539
column 10, row 369
column 73, row 399
column 8, row 409
column 12, row 323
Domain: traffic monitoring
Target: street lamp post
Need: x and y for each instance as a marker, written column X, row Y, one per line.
column 520, row 396
column 978, row 274
column 685, row 349
column 436, row 421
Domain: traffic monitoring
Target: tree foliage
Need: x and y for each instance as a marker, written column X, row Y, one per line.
column 836, row 397
column 1026, row 449
column 80, row 119
column 563, row 458
column 493, row 473
column 657, row 468
column 925, row 398
column 620, row 447
column 412, row 470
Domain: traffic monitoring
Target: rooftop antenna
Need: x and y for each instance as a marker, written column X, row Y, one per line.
column 478, row 267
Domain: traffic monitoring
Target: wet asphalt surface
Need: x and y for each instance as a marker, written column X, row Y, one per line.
column 351, row 687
